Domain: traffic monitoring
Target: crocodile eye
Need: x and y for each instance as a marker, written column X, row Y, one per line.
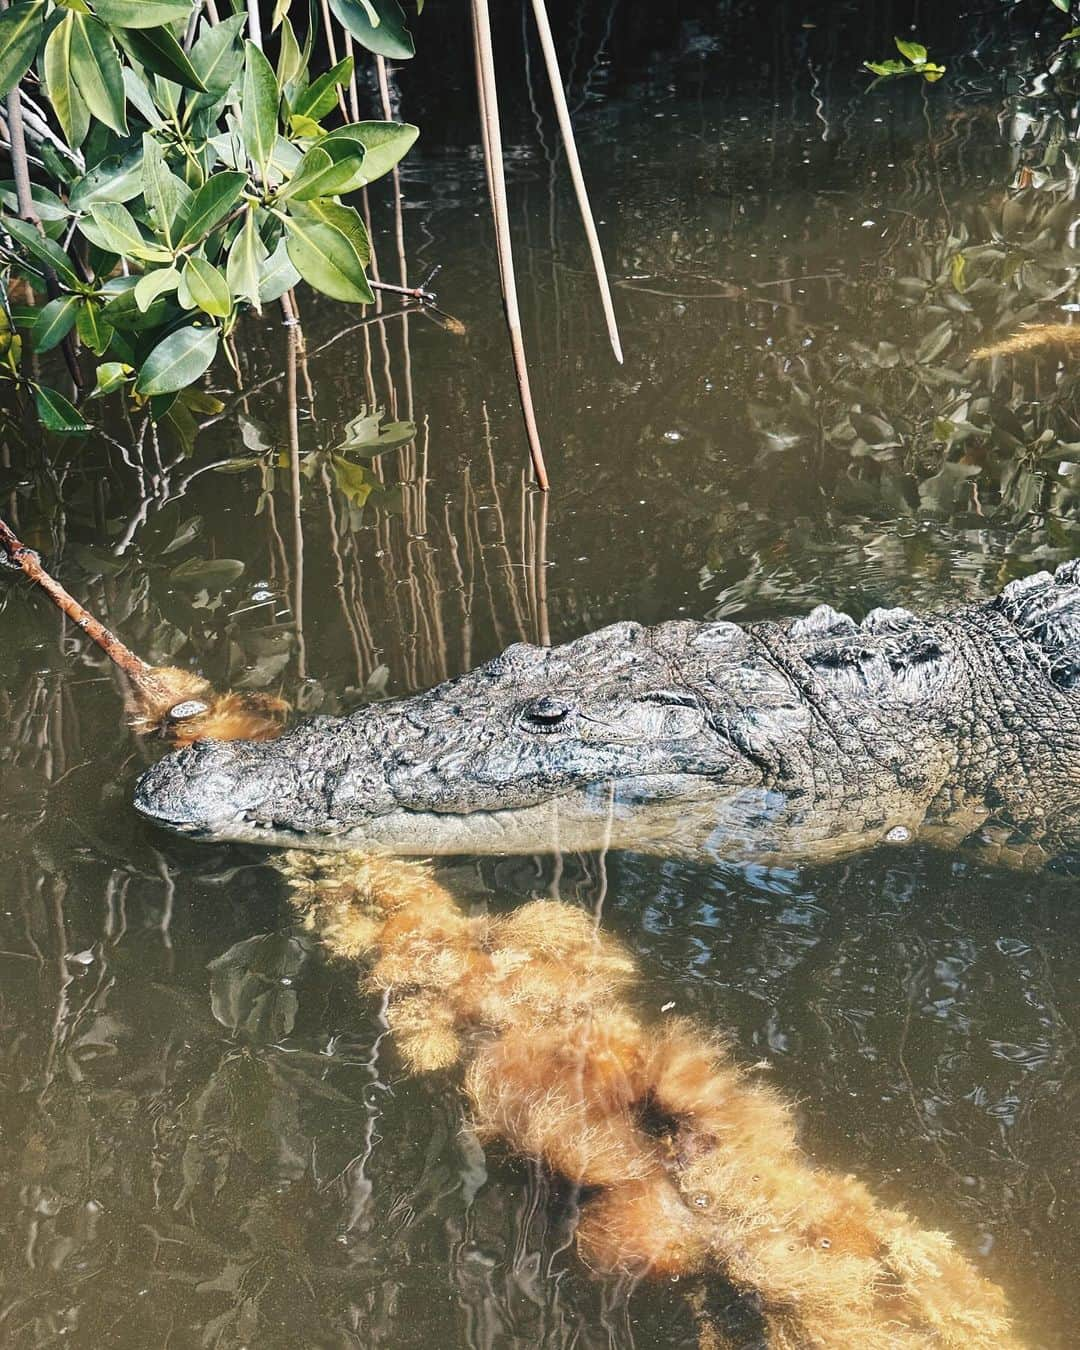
column 546, row 713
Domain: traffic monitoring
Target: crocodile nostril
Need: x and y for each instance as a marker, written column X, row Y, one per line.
column 546, row 713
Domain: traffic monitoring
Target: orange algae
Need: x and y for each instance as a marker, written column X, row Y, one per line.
column 694, row 1167
column 209, row 716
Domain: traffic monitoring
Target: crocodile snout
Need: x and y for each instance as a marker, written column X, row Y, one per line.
column 200, row 788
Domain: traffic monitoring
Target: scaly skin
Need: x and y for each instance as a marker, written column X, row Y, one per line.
column 805, row 739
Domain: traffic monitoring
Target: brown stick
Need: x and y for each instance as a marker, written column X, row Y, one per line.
column 562, row 112
column 133, row 666
column 489, row 113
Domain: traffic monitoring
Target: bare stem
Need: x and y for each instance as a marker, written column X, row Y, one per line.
column 20, row 170
column 489, row 112
column 254, row 23
column 566, row 127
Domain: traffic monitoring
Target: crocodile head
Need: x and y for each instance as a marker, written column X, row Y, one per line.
column 624, row 736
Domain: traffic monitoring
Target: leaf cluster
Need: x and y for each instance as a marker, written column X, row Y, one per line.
column 181, row 178
column 915, row 61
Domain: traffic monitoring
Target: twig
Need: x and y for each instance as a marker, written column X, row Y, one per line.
column 133, row 666
column 489, row 113
column 562, row 112
column 414, row 292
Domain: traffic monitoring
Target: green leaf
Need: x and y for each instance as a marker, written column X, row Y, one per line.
column 321, row 95
column 44, row 250
column 94, row 331
column 113, row 180
column 303, row 128
column 97, row 71
column 111, row 375
column 389, row 37
column 207, row 288
column 217, row 56
column 259, row 107
column 67, row 103
column 54, row 322
column 290, row 64
column 161, row 54
column 152, row 284
column 55, row 413
column 140, row 98
column 914, row 51
column 165, row 194
column 325, row 171
column 211, row 204
column 21, row 31
column 385, row 143
column 346, row 219
column 177, row 361
column 326, row 259
column 1063, row 5
column 246, row 258
column 52, row 212
column 167, row 96
column 122, row 235
column 141, row 13
column 277, row 274
column 886, row 68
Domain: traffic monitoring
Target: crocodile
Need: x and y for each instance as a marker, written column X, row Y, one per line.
column 809, row 738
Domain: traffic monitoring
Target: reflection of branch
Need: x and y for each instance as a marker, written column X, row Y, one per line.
column 339, row 563
column 298, row 527
column 245, row 393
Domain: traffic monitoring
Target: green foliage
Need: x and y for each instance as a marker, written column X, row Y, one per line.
column 915, row 62
column 178, row 154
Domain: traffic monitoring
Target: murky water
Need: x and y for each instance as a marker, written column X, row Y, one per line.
column 205, row 1138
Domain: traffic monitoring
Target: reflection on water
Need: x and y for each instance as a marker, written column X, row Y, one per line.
column 205, row 1136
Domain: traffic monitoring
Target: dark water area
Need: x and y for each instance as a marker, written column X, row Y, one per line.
column 205, row 1136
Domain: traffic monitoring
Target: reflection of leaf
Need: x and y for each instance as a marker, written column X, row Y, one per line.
column 934, row 343
column 187, row 533
column 940, row 492
column 251, row 985
column 365, row 436
column 261, row 656
column 211, row 573
column 875, row 431
column 356, row 482
column 252, row 434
